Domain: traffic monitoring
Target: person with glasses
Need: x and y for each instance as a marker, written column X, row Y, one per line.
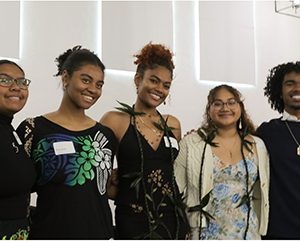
column 73, row 155
column 17, row 173
column 223, row 170
column 282, row 137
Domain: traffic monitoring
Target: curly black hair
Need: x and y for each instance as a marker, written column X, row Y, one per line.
column 153, row 55
column 273, row 89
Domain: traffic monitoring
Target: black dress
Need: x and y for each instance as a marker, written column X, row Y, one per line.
column 132, row 219
column 17, row 176
column 72, row 200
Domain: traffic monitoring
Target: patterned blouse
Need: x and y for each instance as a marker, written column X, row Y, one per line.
column 229, row 187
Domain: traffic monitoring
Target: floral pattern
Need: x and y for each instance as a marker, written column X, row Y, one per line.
column 20, row 235
column 229, row 187
column 90, row 155
column 156, row 181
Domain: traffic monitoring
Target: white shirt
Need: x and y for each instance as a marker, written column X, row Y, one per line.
column 289, row 117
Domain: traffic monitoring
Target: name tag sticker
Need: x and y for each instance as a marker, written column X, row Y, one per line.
column 17, row 138
column 63, row 147
column 174, row 142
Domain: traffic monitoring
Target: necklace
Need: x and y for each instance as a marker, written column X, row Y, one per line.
column 158, row 134
column 298, row 148
column 230, row 152
column 16, row 148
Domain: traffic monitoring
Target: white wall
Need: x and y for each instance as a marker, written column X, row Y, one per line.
column 48, row 28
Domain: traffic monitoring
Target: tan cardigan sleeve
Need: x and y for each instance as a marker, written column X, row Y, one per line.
column 180, row 166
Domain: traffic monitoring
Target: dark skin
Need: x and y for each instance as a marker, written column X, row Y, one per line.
column 153, row 89
column 291, row 93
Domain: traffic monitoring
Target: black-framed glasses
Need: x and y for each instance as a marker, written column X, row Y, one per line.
column 218, row 105
column 7, row 81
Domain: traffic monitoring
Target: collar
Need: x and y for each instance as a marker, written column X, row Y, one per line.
column 5, row 119
column 289, row 117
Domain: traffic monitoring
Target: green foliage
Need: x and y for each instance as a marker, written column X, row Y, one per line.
column 208, row 138
column 136, row 182
column 199, row 208
column 163, row 126
column 128, row 109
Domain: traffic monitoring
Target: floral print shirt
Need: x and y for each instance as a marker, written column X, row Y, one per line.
column 73, row 168
column 229, row 187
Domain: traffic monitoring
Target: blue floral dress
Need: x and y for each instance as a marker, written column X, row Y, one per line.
column 228, row 189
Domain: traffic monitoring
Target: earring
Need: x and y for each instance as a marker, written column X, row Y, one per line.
column 137, row 90
column 64, row 87
column 164, row 102
column 169, row 99
column 240, row 124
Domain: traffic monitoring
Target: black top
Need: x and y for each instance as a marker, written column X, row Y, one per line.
column 72, row 200
column 284, row 177
column 17, row 174
column 157, row 170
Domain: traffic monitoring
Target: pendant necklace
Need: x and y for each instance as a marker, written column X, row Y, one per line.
column 298, row 148
column 230, row 152
column 158, row 134
column 16, row 148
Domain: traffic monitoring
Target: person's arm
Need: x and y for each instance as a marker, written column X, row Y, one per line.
column 112, row 185
column 180, row 166
column 118, row 122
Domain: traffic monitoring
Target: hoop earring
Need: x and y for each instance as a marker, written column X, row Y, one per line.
column 164, row 102
column 137, row 90
column 64, row 87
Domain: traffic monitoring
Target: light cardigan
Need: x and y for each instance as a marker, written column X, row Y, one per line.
column 187, row 171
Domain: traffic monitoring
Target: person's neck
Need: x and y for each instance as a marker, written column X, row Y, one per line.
column 138, row 107
column 294, row 113
column 227, row 133
column 72, row 114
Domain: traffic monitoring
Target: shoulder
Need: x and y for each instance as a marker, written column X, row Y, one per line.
column 117, row 121
column 104, row 129
column 260, row 145
column 114, row 117
column 175, row 123
column 254, row 138
column 192, row 137
column 172, row 121
column 270, row 123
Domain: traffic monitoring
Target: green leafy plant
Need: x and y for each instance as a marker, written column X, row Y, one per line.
column 139, row 180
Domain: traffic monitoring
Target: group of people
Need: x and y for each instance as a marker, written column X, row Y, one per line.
column 225, row 180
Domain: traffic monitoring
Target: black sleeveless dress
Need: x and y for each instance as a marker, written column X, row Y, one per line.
column 132, row 218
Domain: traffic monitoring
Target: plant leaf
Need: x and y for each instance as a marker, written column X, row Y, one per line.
column 155, row 236
column 205, row 199
column 208, row 139
column 133, row 174
column 195, row 208
column 136, row 182
column 148, row 196
column 128, row 109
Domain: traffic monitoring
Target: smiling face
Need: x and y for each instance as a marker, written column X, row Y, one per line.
column 12, row 99
column 224, row 117
column 291, row 93
column 154, row 87
column 84, row 87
